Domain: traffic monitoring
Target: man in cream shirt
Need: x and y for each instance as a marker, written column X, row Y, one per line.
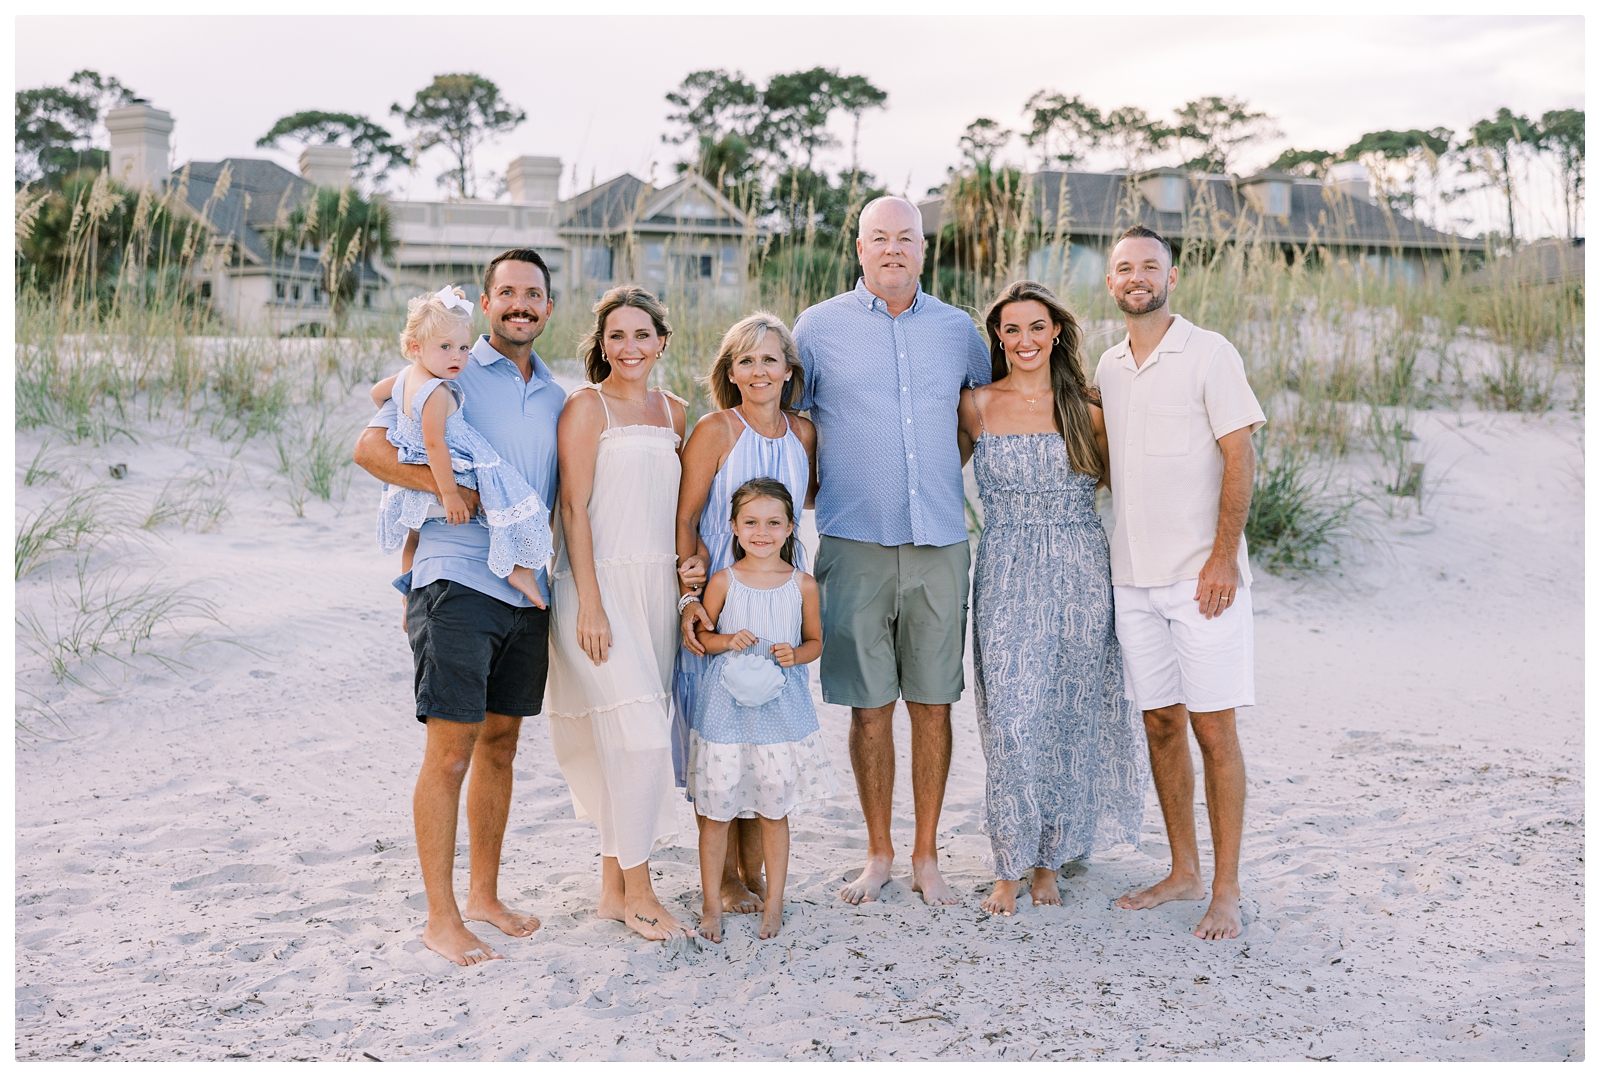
column 1179, row 414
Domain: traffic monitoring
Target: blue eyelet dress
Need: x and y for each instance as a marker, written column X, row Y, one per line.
column 767, row 760
column 516, row 516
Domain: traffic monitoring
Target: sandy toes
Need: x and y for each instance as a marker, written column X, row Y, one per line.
column 926, row 880
column 1172, row 888
column 519, row 925
column 710, row 924
column 1002, row 901
column 649, row 917
column 1222, row 920
column 1046, row 889
column 456, row 944
column 739, row 899
column 772, row 920
column 865, row 886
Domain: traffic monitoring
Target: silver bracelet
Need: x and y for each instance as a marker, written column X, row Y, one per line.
column 684, row 600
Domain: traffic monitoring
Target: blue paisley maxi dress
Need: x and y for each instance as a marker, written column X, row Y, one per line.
column 1065, row 751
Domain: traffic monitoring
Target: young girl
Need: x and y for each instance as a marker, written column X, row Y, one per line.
column 429, row 429
column 755, row 749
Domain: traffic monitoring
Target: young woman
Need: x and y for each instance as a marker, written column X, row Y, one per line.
column 1064, row 751
column 614, row 603
column 754, row 380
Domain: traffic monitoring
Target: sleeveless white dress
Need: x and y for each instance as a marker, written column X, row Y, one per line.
column 609, row 724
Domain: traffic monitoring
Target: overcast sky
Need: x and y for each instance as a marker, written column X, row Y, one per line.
column 593, row 87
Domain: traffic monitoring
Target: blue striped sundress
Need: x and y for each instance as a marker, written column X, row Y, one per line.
column 753, row 457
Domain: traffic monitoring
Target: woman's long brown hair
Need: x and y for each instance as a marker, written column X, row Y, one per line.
column 595, row 365
column 1068, row 384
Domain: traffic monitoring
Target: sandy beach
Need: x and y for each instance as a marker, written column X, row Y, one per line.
column 215, row 860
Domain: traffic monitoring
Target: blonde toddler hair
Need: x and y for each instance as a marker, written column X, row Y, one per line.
column 427, row 317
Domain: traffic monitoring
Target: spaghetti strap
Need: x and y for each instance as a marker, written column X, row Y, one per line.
column 666, row 405
column 601, row 394
column 977, row 407
column 737, row 412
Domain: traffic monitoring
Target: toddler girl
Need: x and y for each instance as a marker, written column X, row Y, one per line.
column 755, row 749
column 429, row 429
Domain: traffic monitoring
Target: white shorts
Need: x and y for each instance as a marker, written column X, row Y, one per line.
column 1173, row 654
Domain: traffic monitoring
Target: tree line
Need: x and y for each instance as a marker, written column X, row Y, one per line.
column 1212, row 133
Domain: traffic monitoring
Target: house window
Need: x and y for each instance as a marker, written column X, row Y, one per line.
column 597, row 263
column 655, row 259
column 732, row 265
column 366, row 300
column 316, row 295
column 295, row 291
column 205, row 289
column 705, row 267
column 278, row 288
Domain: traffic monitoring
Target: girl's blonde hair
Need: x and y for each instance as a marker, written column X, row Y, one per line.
column 427, row 317
column 741, row 339
column 595, row 365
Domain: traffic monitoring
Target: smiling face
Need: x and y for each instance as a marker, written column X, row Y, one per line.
column 518, row 302
column 631, row 344
column 890, row 246
column 762, row 372
column 762, row 526
column 1027, row 334
column 1141, row 275
column 444, row 355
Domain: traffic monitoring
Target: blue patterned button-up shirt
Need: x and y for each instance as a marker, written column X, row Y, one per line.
column 883, row 392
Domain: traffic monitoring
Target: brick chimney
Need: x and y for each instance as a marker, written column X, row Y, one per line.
column 327, row 166
column 139, row 148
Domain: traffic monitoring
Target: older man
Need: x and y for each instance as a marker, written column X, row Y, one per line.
column 884, row 368
column 480, row 647
column 1179, row 415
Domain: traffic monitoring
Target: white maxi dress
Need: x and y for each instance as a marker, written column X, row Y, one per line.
column 610, row 724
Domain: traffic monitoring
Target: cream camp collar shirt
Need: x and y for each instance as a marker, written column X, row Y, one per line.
column 1162, row 424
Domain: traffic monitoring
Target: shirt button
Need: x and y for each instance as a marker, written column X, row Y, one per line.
column 911, row 456
column 904, row 389
column 908, row 422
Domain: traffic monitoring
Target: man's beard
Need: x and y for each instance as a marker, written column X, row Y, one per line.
column 1157, row 301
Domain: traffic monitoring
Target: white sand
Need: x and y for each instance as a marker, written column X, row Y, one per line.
column 219, row 862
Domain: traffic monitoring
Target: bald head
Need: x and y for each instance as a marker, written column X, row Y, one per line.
column 889, row 214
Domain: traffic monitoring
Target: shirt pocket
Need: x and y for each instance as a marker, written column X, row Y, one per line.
column 1166, row 430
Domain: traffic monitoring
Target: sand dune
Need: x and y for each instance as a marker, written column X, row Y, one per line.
column 218, row 863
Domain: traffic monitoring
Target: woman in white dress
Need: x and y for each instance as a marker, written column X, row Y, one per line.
column 614, row 603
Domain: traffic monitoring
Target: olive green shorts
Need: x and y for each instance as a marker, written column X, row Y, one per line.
column 894, row 621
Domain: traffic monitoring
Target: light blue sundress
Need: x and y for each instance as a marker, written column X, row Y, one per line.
column 516, row 516
column 766, row 760
column 1065, row 752
column 753, row 457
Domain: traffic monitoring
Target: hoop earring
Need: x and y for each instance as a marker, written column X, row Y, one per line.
column 1056, row 341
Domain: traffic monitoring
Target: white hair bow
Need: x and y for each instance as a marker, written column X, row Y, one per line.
column 447, row 296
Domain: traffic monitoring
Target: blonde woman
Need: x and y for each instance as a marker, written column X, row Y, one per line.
column 614, row 602
column 754, row 380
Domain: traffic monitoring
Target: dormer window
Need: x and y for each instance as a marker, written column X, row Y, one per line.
column 1269, row 193
column 1165, row 189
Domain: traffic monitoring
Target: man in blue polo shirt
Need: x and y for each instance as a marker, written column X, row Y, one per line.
column 479, row 647
column 884, row 368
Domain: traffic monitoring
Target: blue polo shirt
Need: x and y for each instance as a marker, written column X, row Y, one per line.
column 519, row 419
column 883, row 393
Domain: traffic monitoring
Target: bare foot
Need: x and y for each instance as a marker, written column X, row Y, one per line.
column 1045, row 888
column 526, row 580
column 736, row 898
column 519, row 925
column 1172, row 888
column 869, row 882
column 648, row 917
column 612, row 907
column 455, row 943
column 1003, row 900
column 926, row 880
column 772, row 920
column 711, row 922
column 1221, row 920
